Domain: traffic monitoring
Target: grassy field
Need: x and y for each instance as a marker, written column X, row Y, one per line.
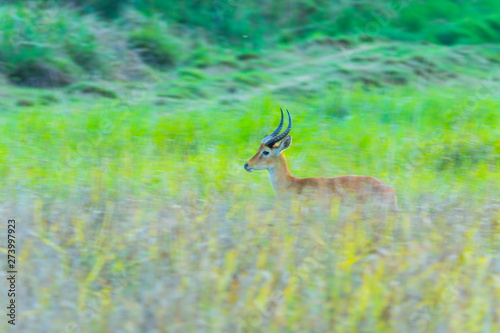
column 59, row 43
column 138, row 217
column 125, row 127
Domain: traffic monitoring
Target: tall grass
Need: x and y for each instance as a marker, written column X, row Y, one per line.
column 47, row 43
column 138, row 218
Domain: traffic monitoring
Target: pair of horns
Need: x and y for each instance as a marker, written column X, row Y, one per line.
column 272, row 138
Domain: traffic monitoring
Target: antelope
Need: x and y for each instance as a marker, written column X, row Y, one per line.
column 350, row 189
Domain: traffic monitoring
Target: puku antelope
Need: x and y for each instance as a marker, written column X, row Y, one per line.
column 350, row 189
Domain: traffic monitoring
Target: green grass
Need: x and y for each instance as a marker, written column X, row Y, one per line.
column 155, row 44
column 52, row 44
column 55, row 46
column 134, row 211
column 92, row 88
column 138, row 217
column 49, row 47
column 446, row 22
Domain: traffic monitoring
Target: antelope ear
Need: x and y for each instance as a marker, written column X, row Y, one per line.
column 285, row 143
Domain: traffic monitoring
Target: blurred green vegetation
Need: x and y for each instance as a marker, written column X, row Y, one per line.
column 136, row 212
column 116, row 196
column 440, row 21
column 427, row 134
column 60, row 42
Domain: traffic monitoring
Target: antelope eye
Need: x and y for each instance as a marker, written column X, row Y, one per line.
column 265, row 152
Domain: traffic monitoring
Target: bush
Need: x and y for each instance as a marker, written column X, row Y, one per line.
column 49, row 46
column 93, row 88
column 39, row 74
column 156, row 47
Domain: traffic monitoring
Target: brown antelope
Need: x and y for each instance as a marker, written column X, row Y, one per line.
column 350, row 189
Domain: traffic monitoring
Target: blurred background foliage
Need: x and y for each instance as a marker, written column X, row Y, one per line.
column 67, row 39
column 441, row 21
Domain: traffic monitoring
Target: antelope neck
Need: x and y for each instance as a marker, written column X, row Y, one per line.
column 280, row 176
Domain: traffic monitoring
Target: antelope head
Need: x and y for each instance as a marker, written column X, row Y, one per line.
column 267, row 156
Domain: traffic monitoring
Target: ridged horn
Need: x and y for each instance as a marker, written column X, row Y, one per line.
column 270, row 141
column 276, row 131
